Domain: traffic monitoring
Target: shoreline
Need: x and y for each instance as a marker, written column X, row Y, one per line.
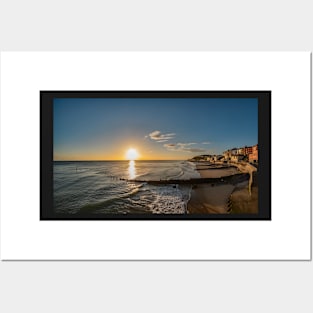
column 228, row 196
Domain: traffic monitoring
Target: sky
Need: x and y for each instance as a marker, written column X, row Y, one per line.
column 158, row 129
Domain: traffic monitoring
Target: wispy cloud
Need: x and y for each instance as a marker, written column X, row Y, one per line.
column 183, row 147
column 163, row 140
column 186, row 144
column 170, row 146
column 206, row 143
column 159, row 137
column 194, row 150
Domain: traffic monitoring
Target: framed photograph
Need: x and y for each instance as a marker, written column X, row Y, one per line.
column 155, row 155
column 106, row 158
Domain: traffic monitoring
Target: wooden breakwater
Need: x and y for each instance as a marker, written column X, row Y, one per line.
column 232, row 179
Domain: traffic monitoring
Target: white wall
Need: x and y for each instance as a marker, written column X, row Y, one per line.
column 149, row 286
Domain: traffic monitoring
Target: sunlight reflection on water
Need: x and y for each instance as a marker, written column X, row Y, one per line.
column 131, row 170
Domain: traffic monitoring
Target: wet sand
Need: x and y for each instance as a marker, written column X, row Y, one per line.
column 206, row 198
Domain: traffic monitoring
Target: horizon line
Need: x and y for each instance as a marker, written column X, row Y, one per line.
column 118, row 160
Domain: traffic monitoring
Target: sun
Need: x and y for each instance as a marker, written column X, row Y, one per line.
column 132, row 154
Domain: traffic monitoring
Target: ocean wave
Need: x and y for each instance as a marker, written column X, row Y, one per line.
column 94, row 191
column 169, row 200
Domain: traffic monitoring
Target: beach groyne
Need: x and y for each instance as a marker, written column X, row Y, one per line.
column 232, row 179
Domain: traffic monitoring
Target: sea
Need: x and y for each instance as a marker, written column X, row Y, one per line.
column 106, row 187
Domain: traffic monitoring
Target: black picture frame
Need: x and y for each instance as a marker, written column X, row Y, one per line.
column 46, row 153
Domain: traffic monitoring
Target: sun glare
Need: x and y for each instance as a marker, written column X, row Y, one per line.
column 131, row 154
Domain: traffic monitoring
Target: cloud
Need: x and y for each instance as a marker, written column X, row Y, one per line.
column 170, row 146
column 159, row 137
column 195, row 150
column 186, row 144
column 183, row 147
column 206, row 143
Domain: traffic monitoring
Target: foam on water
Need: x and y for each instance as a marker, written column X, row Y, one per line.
column 170, row 199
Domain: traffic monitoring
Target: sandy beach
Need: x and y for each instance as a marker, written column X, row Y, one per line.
column 210, row 198
column 211, row 171
column 241, row 200
column 222, row 197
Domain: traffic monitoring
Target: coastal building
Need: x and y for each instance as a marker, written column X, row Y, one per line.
column 214, row 158
column 227, row 155
column 247, row 150
column 241, row 151
column 233, row 151
column 254, row 155
column 240, row 154
column 219, row 158
column 237, row 158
